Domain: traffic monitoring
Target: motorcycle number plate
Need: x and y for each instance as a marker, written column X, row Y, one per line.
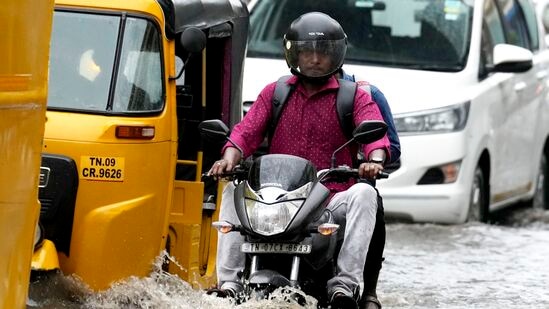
column 275, row 248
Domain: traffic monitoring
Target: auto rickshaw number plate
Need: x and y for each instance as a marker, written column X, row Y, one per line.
column 102, row 168
column 275, row 248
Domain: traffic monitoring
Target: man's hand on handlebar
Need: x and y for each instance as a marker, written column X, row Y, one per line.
column 369, row 170
column 230, row 159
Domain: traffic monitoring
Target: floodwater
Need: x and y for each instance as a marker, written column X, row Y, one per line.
column 499, row 265
column 503, row 265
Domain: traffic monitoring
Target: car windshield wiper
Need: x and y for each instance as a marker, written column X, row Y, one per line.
column 263, row 54
column 432, row 67
column 363, row 61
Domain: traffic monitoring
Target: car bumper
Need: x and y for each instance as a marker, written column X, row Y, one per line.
column 404, row 199
column 439, row 204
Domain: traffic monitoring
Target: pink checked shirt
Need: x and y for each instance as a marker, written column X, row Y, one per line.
column 308, row 126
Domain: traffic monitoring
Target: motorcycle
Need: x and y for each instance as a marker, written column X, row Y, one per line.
column 290, row 237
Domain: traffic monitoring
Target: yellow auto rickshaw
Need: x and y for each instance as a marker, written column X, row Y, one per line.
column 122, row 157
column 25, row 26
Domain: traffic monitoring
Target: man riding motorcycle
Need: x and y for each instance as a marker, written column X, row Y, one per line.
column 308, row 127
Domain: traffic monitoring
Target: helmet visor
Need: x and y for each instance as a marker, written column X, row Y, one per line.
column 315, row 58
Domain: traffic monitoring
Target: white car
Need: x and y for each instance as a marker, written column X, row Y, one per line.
column 542, row 7
column 472, row 116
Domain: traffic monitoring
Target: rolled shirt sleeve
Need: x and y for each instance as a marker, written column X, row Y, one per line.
column 366, row 109
column 250, row 132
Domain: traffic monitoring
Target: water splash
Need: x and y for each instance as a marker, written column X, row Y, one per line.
column 158, row 290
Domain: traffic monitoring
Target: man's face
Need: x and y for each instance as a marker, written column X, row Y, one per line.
column 314, row 63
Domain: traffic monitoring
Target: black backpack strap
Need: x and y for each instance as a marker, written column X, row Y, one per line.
column 280, row 96
column 345, row 103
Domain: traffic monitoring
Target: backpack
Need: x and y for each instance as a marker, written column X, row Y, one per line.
column 344, row 103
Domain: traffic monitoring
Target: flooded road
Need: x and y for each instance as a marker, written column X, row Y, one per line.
column 468, row 266
column 502, row 265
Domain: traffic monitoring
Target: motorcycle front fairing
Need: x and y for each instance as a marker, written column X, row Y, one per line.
column 309, row 212
column 280, row 188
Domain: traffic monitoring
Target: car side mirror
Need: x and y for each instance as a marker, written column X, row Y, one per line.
column 512, row 59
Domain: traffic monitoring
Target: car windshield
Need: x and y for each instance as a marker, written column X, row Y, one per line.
column 95, row 68
column 417, row 34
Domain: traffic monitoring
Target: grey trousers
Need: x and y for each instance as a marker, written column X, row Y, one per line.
column 354, row 210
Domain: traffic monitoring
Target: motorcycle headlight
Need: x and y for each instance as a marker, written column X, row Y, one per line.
column 270, row 210
column 271, row 219
column 441, row 120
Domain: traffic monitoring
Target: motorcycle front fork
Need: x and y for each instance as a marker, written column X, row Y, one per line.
column 294, row 273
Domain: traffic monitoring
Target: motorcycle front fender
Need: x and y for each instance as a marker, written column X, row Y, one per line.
column 268, row 277
column 45, row 258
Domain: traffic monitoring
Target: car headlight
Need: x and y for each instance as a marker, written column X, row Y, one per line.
column 271, row 219
column 441, row 120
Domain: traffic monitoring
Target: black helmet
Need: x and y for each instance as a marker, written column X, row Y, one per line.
column 318, row 34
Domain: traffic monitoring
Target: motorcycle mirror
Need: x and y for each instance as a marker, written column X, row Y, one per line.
column 213, row 129
column 366, row 132
column 369, row 131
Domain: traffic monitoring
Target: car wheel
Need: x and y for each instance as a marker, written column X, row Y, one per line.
column 541, row 195
column 478, row 200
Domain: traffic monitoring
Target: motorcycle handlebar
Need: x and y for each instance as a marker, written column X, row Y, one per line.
column 344, row 173
column 341, row 173
column 238, row 173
